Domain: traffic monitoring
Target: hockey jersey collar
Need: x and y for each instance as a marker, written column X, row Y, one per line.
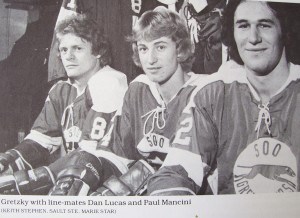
column 153, row 89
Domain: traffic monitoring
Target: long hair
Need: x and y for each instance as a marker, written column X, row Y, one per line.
column 282, row 12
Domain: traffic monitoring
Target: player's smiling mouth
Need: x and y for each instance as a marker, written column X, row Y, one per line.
column 153, row 68
column 255, row 49
column 71, row 66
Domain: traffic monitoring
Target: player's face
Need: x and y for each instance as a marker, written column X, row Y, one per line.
column 158, row 58
column 77, row 58
column 258, row 36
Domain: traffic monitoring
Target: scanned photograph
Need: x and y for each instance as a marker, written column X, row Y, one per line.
column 149, row 98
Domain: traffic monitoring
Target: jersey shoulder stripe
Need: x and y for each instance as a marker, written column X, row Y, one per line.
column 107, row 89
column 111, row 72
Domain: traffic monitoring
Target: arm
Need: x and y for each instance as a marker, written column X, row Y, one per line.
column 101, row 128
column 27, row 155
column 35, row 150
column 106, row 94
column 192, row 155
column 74, row 174
column 117, row 144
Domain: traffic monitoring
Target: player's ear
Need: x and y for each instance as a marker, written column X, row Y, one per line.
column 180, row 56
column 179, row 52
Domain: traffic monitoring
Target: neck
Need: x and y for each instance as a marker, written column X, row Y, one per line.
column 82, row 82
column 79, row 85
column 168, row 89
column 268, row 85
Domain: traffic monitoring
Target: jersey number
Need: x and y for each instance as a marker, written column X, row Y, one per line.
column 186, row 127
column 98, row 130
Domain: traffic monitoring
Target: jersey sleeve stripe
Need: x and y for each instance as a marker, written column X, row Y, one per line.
column 48, row 142
column 191, row 162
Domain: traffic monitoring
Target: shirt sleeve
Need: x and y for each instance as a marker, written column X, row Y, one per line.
column 46, row 129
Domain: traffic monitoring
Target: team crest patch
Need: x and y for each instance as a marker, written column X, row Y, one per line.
column 265, row 166
column 72, row 134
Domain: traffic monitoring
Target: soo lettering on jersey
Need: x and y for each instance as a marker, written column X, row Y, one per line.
column 265, row 166
column 153, row 143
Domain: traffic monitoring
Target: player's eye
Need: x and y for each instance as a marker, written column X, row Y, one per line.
column 264, row 25
column 161, row 47
column 63, row 50
column 243, row 26
column 142, row 49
